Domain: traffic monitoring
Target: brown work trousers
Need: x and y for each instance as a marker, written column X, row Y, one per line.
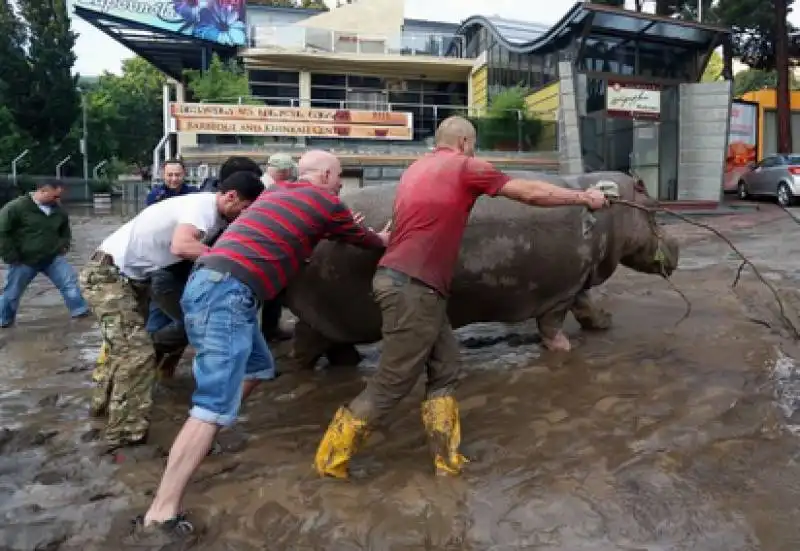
column 416, row 336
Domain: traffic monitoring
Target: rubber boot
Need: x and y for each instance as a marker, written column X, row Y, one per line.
column 443, row 426
column 344, row 436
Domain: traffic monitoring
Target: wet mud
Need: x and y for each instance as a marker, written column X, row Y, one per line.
column 647, row 437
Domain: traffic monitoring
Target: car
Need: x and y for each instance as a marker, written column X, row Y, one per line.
column 775, row 176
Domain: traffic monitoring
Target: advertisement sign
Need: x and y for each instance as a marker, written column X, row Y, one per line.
column 259, row 120
column 633, row 101
column 742, row 142
column 221, row 21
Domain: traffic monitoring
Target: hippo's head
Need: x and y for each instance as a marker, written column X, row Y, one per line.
column 647, row 248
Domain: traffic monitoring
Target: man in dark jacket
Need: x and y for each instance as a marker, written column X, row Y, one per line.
column 34, row 238
column 174, row 185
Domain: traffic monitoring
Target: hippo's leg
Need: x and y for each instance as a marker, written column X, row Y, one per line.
column 343, row 355
column 308, row 346
column 589, row 315
column 551, row 327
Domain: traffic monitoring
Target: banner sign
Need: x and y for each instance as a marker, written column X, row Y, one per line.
column 257, row 120
column 742, row 142
column 633, row 101
column 221, row 21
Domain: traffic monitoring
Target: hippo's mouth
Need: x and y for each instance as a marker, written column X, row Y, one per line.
column 661, row 258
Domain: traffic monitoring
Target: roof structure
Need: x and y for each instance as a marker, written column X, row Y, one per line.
column 522, row 37
column 170, row 52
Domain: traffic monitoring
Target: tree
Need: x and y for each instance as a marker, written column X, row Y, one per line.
column 314, row 5
column 13, row 84
column 125, row 117
column 52, row 104
column 714, row 68
column 750, row 80
column 760, row 40
column 221, row 82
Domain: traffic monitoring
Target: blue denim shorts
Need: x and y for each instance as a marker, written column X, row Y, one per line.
column 221, row 319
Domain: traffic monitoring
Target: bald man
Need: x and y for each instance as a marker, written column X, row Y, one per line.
column 432, row 205
column 250, row 263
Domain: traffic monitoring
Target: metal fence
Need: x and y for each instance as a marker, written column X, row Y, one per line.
column 76, row 190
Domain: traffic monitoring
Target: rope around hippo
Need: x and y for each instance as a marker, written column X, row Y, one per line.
column 745, row 261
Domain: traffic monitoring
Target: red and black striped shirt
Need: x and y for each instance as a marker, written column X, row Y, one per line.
column 268, row 243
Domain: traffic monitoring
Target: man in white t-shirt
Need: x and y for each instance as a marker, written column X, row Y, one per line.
column 116, row 283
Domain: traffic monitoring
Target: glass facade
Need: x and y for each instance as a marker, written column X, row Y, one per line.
column 428, row 101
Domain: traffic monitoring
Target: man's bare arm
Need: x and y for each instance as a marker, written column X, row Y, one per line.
column 544, row 194
column 187, row 242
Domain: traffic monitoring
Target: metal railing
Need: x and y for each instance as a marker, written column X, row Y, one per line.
column 76, row 190
column 309, row 39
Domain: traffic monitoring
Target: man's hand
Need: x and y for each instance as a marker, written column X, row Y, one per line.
column 358, row 218
column 594, row 199
column 384, row 236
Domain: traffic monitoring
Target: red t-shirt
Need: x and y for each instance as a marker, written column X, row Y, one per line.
column 431, row 209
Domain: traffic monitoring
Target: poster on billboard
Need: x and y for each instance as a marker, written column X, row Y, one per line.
column 264, row 120
column 633, row 100
column 221, row 21
column 742, row 142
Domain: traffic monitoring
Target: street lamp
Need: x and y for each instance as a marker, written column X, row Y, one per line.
column 97, row 167
column 85, row 136
column 59, row 165
column 17, row 159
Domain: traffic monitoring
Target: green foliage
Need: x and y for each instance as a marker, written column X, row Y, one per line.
column 714, row 68
column 314, row 5
column 125, row 115
column 507, row 125
column 100, row 186
column 221, row 82
column 754, row 26
column 750, row 80
column 51, row 104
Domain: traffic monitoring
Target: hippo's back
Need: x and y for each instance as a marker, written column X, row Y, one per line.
column 513, row 257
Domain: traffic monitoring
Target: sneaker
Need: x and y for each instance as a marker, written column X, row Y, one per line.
column 174, row 534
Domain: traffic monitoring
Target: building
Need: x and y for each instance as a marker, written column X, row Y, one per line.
column 604, row 88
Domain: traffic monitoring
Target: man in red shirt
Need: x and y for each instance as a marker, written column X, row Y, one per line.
column 432, row 205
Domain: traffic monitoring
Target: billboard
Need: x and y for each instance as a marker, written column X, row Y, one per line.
column 742, row 142
column 221, row 21
column 262, row 120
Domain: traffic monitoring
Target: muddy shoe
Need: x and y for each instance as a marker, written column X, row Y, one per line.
column 174, row 534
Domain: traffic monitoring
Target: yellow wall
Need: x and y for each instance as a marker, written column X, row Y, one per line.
column 767, row 100
column 478, row 83
column 543, row 104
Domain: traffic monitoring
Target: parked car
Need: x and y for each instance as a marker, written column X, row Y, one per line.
column 775, row 176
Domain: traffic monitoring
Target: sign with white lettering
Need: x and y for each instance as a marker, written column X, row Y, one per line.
column 633, row 101
column 221, row 21
column 265, row 120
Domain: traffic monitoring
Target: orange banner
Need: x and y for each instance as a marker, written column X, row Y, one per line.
column 289, row 114
column 284, row 128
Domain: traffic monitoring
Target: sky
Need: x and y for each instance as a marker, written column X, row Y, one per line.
column 97, row 52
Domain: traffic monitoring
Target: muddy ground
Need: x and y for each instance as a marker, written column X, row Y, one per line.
column 647, row 437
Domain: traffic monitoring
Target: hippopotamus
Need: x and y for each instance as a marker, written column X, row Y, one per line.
column 516, row 263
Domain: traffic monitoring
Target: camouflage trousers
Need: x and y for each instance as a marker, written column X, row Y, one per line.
column 124, row 381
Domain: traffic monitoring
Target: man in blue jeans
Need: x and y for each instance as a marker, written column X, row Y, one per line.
column 253, row 260
column 34, row 237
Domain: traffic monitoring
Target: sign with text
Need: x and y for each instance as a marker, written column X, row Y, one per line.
column 260, row 120
column 633, row 101
column 221, row 21
column 742, row 142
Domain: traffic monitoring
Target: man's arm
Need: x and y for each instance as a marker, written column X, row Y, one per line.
column 344, row 228
column 8, row 222
column 187, row 242
column 543, row 194
column 154, row 195
column 65, row 234
column 483, row 178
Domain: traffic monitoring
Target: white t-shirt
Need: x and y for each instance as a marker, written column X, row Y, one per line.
column 142, row 245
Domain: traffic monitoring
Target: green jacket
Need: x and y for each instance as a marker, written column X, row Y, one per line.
column 29, row 236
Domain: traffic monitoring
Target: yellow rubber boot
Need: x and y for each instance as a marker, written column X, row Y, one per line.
column 344, row 436
column 443, row 426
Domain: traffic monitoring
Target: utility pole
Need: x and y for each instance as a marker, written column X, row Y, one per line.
column 84, row 138
column 784, row 112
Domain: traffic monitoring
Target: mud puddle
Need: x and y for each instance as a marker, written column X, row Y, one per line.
column 646, row 437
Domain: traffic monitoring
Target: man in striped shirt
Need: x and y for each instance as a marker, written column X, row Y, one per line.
column 250, row 263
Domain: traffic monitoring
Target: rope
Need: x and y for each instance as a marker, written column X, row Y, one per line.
column 745, row 261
